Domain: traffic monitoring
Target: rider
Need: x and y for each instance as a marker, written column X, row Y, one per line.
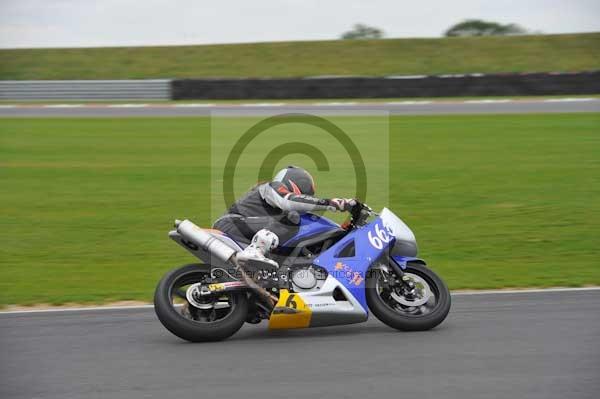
column 269, row 212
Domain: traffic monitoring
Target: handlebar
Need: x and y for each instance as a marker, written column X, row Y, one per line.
column 360, row 213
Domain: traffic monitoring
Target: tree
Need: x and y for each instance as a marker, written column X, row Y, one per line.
column 360, row 31
column 477, row 27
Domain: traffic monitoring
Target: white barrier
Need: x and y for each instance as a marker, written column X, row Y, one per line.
column 143, row 89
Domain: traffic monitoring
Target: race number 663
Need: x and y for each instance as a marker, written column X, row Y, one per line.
column 381, row 236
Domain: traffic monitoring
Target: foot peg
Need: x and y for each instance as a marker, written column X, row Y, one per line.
column 251, row 262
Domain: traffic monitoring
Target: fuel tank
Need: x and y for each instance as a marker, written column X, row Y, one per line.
column 312, row 225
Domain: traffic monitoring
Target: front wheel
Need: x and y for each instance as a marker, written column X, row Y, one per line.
column 211, row 317
column 419, row 303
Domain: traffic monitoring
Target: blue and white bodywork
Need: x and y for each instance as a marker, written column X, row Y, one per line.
column 340, row 297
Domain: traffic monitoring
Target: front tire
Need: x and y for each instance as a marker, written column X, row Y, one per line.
column 405, row 312
column 188, row 322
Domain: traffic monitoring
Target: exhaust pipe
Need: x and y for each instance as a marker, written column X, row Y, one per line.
column 204, row 240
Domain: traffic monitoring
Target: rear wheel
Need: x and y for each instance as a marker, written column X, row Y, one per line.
column 209, row 317
column 419, row 303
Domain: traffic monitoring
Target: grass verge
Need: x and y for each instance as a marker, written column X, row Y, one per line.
column 495, row 200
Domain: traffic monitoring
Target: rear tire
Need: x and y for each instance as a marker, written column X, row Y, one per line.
column 186, row 328
column 406, row 318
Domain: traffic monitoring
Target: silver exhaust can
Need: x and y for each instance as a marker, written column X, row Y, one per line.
column 203, row 239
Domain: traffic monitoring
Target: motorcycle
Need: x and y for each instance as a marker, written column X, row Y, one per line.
column 328, row 275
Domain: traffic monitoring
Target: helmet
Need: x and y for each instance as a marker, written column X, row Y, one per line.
column 296, row 180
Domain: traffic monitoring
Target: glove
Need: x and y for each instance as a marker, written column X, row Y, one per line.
column 342, row 204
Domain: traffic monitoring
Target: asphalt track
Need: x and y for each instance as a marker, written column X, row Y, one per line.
column 513, row 345
column 492, row 106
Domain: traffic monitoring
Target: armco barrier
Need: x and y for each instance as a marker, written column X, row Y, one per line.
column 317, row 87
column 389, row 87
column 154, row 89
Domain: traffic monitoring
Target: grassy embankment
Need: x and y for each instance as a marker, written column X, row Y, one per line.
column 534, row 53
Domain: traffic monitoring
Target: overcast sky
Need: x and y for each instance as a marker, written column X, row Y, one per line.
column 77, row 23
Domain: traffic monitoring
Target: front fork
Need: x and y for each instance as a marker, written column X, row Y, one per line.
column 392, row 268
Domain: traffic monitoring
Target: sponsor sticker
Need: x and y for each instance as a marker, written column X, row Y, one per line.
column 348, row 274
column 216, row 287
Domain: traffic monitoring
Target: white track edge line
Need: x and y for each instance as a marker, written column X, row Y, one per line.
column 300, row 105
column 525, row 291
column 457, row 293
column 80, row 309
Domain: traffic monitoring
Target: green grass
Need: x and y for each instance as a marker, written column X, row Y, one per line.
column 495, row 200
column 534, row 53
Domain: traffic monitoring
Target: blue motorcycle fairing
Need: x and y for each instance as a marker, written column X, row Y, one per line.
column 403, row 260
column 311, row 225
column 351, row 271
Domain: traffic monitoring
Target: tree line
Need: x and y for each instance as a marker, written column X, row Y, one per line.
column 469, row 27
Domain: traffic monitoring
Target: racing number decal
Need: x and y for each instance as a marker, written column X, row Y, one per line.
column 381, row 236
column 290, row 303
column 290, row 312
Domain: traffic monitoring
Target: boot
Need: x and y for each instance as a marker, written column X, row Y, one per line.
column 253, row 256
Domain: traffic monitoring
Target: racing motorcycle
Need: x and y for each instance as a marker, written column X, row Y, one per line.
column 329, row 274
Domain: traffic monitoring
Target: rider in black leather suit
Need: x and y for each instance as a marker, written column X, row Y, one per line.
column 269, row 211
